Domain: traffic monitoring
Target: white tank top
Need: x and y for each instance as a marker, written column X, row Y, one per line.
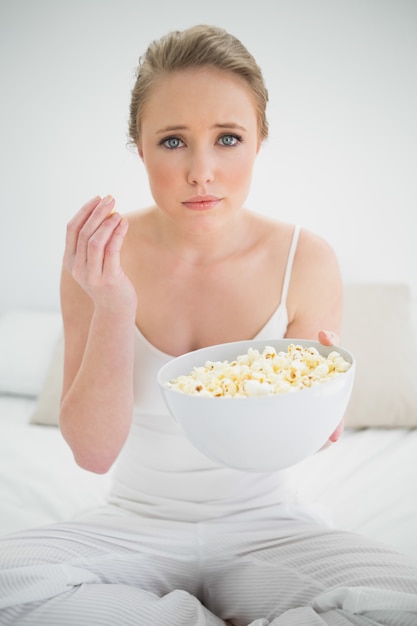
column 159, row 474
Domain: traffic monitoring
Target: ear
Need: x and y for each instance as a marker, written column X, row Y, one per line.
column 139, row 149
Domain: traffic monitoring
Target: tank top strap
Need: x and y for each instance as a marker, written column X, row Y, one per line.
column 290, row 262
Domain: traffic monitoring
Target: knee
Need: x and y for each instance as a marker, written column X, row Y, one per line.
column 187, row 609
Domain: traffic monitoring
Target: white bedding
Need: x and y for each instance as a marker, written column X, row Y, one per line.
column 367, row 480
column 40, row 482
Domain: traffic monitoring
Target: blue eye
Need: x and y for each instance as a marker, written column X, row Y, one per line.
column 229, row 140
column 172, row 143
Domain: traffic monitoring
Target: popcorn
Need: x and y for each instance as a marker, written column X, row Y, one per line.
column 260, row 374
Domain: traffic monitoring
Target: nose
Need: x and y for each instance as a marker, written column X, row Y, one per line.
column 200, row 168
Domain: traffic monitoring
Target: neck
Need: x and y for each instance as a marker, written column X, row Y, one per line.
column 204, row 247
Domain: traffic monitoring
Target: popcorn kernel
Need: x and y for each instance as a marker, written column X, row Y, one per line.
column 259, row 374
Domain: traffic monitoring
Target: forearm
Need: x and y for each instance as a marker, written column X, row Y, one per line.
column 96, row 410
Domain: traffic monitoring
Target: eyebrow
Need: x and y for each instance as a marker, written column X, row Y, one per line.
column 227, row 125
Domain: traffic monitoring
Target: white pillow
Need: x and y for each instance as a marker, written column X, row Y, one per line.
column 378, row 330
column 27, row 342
column 46, row 411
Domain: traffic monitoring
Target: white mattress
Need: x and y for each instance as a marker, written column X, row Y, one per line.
column 367, row 480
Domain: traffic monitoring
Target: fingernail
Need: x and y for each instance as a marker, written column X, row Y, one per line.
column 107, row 199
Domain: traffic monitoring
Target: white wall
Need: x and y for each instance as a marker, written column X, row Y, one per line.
column 341, row 159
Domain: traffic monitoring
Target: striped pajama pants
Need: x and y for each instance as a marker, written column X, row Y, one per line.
column 127, row 571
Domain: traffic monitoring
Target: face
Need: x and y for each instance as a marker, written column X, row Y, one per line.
column 198, row 140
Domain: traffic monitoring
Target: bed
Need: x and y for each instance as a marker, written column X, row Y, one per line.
column 367, row 481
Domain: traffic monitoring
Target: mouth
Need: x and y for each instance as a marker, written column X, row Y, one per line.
column 202, row 203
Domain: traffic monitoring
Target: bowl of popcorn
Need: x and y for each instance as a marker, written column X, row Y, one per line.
column 259, row 406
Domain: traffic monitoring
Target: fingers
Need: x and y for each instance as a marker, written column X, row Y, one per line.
column 94, row 239
column 93, row 252
column 111, row 263
column 87, row 230
column 339, row 430
column 73, row 229
column 335, row 436
column 87, row 220
column 328, row 338
column 102, row 210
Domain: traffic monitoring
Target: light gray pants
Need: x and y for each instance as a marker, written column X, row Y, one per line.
column 110, row 571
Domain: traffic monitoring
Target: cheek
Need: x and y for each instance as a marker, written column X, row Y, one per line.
column 241, row 170
column 162, row 173
column 164, row 181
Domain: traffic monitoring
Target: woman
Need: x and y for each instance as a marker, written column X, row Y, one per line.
column 183, row 540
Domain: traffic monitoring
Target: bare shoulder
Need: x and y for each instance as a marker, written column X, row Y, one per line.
column 313, row 252
column 314, row 249
column 271, row 232
column 315, row 297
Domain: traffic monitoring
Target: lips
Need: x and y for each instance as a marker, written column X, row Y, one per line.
column 202, row 203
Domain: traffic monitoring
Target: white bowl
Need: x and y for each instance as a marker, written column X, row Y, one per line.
column 262, row 433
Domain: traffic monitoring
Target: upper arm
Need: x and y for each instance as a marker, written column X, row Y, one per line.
column 315, row 298
column 77, row 311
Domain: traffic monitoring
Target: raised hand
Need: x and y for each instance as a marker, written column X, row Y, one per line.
column 92, row 253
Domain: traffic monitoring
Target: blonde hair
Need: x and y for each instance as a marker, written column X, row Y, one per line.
column 198, row 46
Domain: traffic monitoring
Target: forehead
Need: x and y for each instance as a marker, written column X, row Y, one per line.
column 199, row 92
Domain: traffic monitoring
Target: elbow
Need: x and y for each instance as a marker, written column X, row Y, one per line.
column 93, row 450
column 89, row 454
column 99, row 465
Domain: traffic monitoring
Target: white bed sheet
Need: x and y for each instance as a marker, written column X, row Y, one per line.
column 368, row 480
column 40, row 482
